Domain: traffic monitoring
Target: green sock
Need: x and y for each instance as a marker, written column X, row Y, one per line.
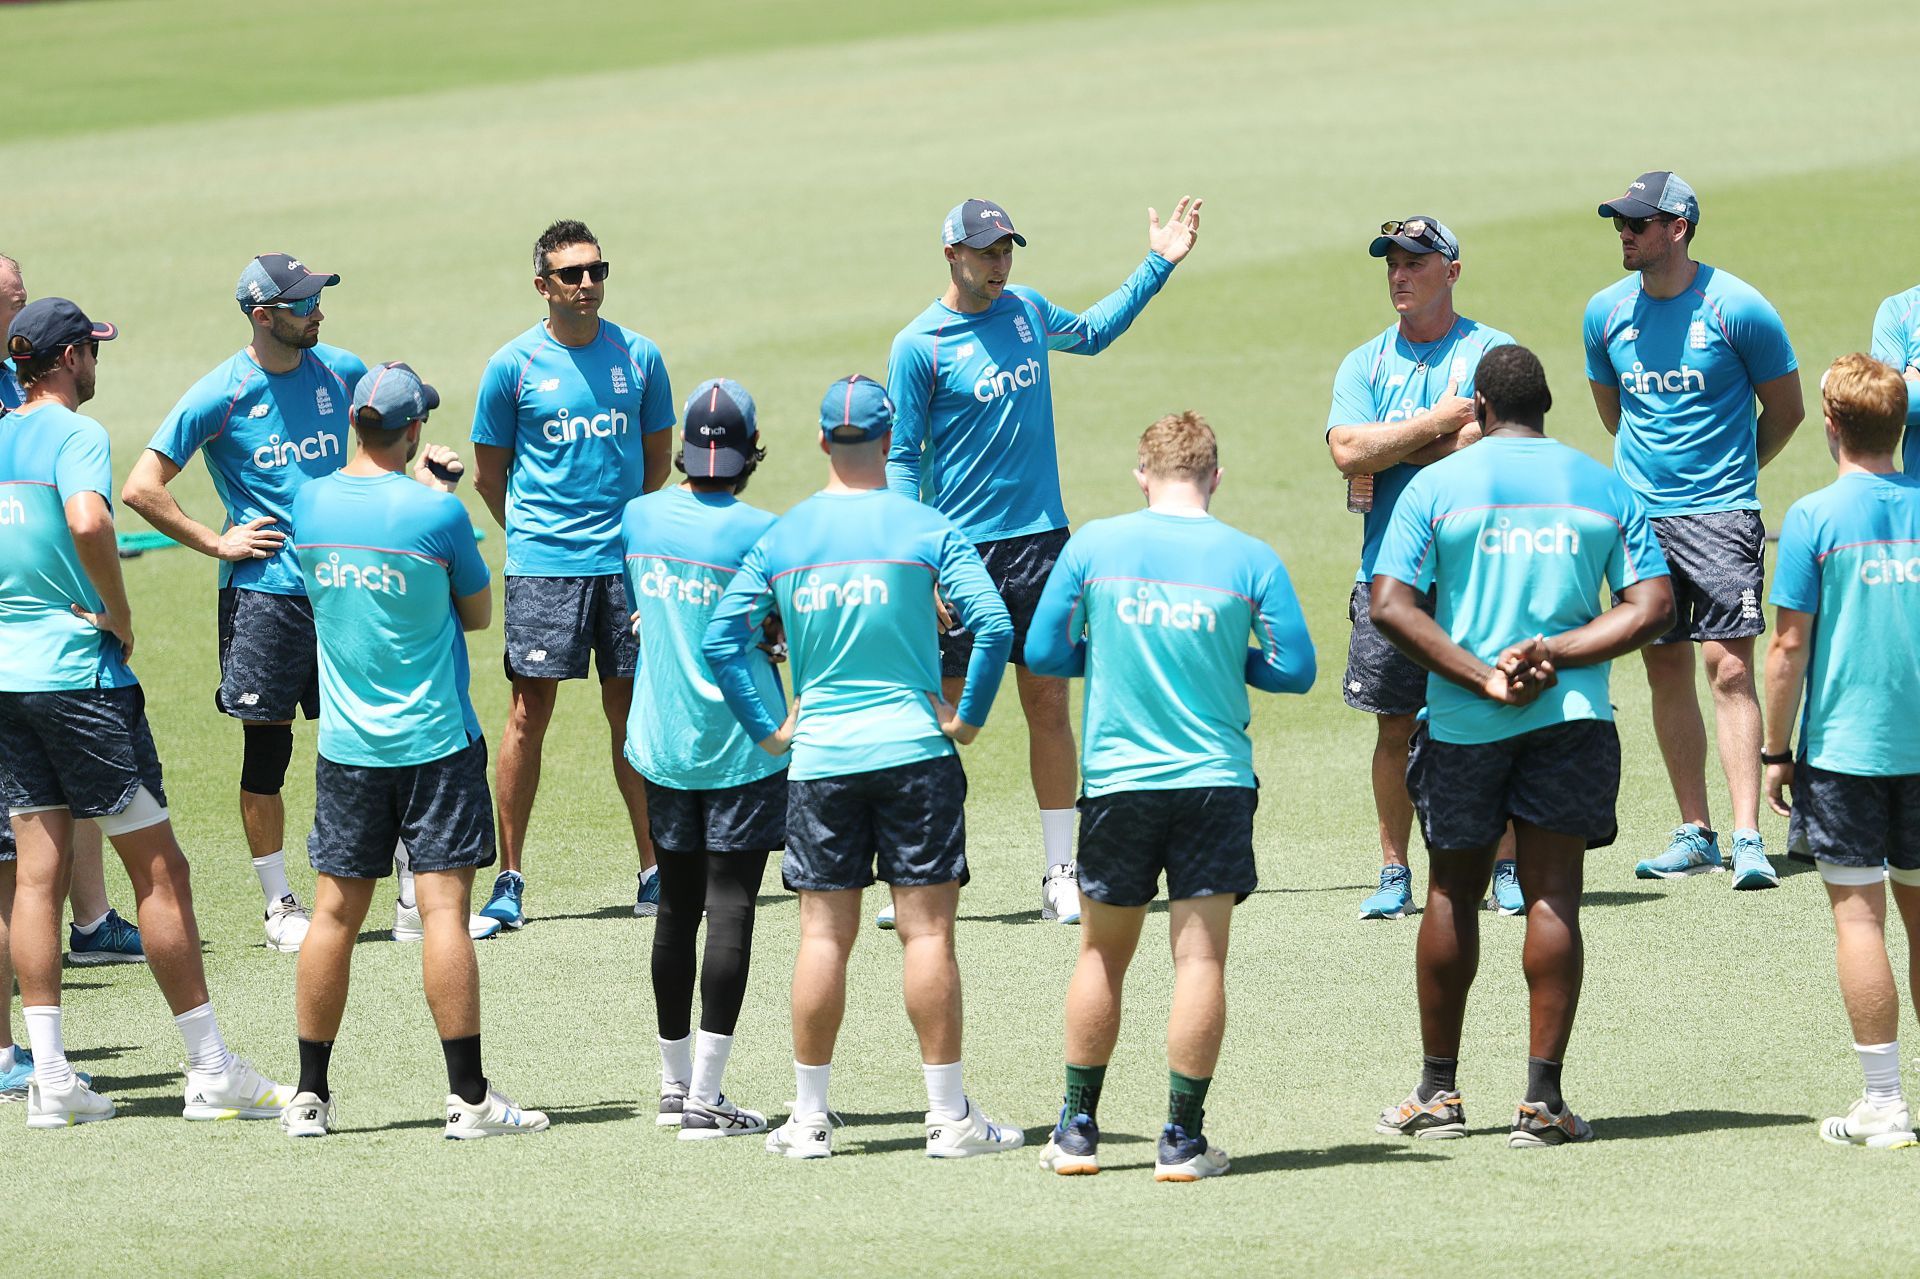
column 1083, row 1090
column 1186, row 1101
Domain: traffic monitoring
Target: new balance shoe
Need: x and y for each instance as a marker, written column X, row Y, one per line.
column 673, row 1104
column 497, row 1116
column 79, row 1104
column 646, row 902
column 1060, row 894
column 1184, row 1158
column 802, row 1137
column 1692, row 851
column 1507, row 897
column 1394, row 896
column 1751, row 869
column 884, row 920
column 286, row 922
column 1437, row 1118
column 1073, row 1147
column 1537, row 1124
column 972, row 1134
column 240, row 1092
column 508, row 903
column 114, row 941
column 13, row 1082
column 1868, row 1125
column 703, row 1122
column 307, row 1116
column 406, row 925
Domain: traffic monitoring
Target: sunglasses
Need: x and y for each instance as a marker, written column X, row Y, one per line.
column 304, row 307
column 1639, row 225
column 573, row 275
column 1418, row 230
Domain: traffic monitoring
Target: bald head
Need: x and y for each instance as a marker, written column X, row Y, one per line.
column 13, row 291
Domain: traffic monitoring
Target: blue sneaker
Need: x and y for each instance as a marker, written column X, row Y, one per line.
column 1507, row 897
column 1073, row 1148
column 1184, row 1158
column 1393, row 898
column 115, row 941
column 1692, row 852
column 13, row 1084
column 646, row 904
column 509, row 890
column 1751, row 869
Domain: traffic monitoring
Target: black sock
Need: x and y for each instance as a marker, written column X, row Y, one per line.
column 464, row 1079
column 1436, row 1076
column 1543, row 1082
column 315, row 1054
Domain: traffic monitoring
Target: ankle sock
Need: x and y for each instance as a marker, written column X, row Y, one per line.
column 88, row 930
column 465, row 1079
column 1186, row 1101
column 1437, row 1077
column 272, row 870
column 50, row 1066
column 315, row 1056
column 945, row 1096
column 1543, row 1083
column 1880, row 1063
column 1083, row 1091
column 207, row 1052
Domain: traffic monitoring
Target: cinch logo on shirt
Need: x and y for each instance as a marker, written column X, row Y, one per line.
column 381, row 578
column 1503, row 537
column 997, row 382
column 1881, row 572
column 813, row 594
column 661, row 583
column 1640, row 379
column 277, row 452
column 12, row 511
column 1141, row 609
column 569, row 427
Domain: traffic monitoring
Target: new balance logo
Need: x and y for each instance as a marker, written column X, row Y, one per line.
column 1629, row 334
column 1503, row 537
column 277, row 452
column 1141, row 609
column 1641, row 380
column 813, row 595
column 248, row 699
column 551, row 384
column 997, row 382
column 964, row 353
column 569, row 427
column 536, row 655
column 820, row 1135
column 260, row 410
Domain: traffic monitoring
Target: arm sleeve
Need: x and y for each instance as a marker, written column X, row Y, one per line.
column 1593, row 332
column 1057, row 635
column 730, row 638
column 1352, row 396
column 1890, row 347
column 1094, row 329
column 496, row 408
column 1796, row 565
column 910, row 386
column 1407, row 547
column 964, row 581
column 1284, row 661
column 191, row 423
column 84, row 464
column 1756, row 332
column 1636, row 555
column 656, row 399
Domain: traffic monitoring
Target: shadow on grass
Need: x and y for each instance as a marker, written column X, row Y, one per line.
column 604, row 1112
column 105, row 1053
column 1618, row 897
column 1682, row 1123
column 1787, row 867
column 158, row 1106
column 1343, row 1156
column 624, row 911
column 109, row 1083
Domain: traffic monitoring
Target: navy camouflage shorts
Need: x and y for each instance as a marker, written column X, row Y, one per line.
column 87, row 750
column 1850, row 820
column 555, row 624
column 748, row 818
column 442, row 809
column 269, row 659
column 1380, row 679
column 1718, row 563
column 1202, row 836
column 1563, row 778
column 1019, row 568
column 910, row 819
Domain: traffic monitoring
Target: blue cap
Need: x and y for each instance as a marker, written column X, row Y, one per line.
column 1652, row 194
column 717, row 429
column 278, row 277
column 856, row 409
column 977, row 223
column 53, row 324
column 391, row 396
column 1417, row 234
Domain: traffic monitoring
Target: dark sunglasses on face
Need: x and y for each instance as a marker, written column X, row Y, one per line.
column 573, row 275
column 304, row 307
column 1639, row 225
column 92, row 346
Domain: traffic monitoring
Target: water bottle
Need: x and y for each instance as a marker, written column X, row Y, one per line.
column 1359, row 494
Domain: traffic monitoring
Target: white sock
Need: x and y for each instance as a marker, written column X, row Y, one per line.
column 6, row 1059
column 945, row 1096
column 88, row 930
column 647, row 873
column 709, row 1063
column 810, row 1088
column 50, row 1065
column 1881, row 1065
column 207, row 1053
column 272, row 870
column 403, row 871
column 1056, row 835
column 676, row 1061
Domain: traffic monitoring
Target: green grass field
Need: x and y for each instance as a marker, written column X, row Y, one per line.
column 769, row 180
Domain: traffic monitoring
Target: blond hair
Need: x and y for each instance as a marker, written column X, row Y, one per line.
column 1867, row 402
column 1180, row 446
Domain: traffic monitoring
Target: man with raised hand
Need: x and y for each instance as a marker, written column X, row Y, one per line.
column 570, row 425
column 875, row 777
column 1677, row 352
column 1399, row 402
column 1846, row 590
column 975, row 440
column 1154, row 610
column 396, row 580
column 74, row 741
column 1514, row 538
column 1896, row 341
column 266, row 421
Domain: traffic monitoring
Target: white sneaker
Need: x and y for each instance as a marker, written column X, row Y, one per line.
column 240, row 1093
column 78, row 1105
column 1867, row 1125
column 1060, row 894
column 702, row 1122
column 287, row 922
column 802, row 1137
column 406, row 925
column 497, row 1116
column 885, row 918
column 974, row 1134
column 307, row 1116
column 673, row 1104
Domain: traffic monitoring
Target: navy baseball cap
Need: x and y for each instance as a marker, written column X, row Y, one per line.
column 717, row 429
column 278, row 277
column 391, row 396
column 977, row 223
column 855, row 410
column 53, row 324
column 1417, row 234
column 1652, row 194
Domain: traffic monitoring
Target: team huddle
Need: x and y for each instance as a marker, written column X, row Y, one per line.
column 802, row 684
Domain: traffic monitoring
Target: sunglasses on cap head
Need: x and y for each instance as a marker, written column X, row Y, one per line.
column 304, row 307
column 573, row 275
column 1418, row 230
column 1639, row 225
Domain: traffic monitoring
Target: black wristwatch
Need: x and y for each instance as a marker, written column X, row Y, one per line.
column 1784, row 757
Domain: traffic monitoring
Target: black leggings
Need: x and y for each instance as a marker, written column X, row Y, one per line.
column 724, row 886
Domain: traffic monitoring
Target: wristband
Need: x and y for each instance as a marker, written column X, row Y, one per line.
column 1784, row 757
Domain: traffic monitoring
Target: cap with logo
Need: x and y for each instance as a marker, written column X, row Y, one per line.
column 718, row 429
column 855, row 409
column 978, row 223
column 391, row 396
column 50, row 325
column 1417, row 234
column 1652, row 194
column 278, row 277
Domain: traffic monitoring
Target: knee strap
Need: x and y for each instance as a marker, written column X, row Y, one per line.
column 264, row 760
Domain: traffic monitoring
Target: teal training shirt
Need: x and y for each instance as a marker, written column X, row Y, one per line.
column 1154, row 611
column 1896, row 341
